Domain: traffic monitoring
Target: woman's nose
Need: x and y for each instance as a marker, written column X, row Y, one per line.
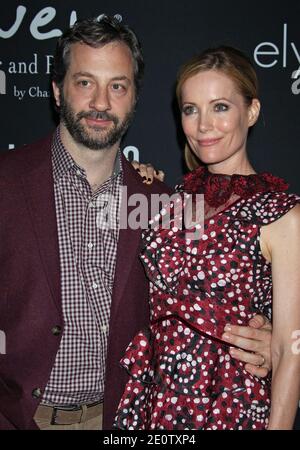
column 205, row 123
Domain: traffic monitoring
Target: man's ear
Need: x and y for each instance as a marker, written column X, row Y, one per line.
column 56, row 93
column 253, row 112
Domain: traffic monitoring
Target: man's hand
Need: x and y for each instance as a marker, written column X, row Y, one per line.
column 256, row 340
column 148, row 172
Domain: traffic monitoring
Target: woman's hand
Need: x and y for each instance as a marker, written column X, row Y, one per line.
column 148, row 172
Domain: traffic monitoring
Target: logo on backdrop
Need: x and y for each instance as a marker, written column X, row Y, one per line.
column 35, row 66
column 38, row 64
column 268, row 55
column 40, row 20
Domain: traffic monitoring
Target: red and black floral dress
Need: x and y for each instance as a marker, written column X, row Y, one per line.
column 182, row 376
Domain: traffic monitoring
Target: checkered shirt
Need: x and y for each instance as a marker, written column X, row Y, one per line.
column 87, row 251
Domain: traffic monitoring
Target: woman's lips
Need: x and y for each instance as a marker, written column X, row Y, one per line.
column 208, row 142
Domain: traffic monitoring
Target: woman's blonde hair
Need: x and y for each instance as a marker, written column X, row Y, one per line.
column 228, row 60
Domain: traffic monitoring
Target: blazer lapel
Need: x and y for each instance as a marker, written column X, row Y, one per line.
column 129, row 240
column 38, row 188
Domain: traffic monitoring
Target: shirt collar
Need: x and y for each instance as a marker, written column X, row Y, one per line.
column 63, row 162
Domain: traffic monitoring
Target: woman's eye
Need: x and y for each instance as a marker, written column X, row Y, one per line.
column 221, row 107
column 189, row 109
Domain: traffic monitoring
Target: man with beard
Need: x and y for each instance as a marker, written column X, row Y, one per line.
column 73, row 293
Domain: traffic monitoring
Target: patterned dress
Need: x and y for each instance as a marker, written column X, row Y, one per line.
column 182, row 376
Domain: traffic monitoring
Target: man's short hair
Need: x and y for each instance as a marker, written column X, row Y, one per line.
column 96, row 33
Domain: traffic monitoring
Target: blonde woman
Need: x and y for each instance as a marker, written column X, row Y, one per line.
column 183, row 374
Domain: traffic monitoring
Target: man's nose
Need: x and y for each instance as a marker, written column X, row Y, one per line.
column 100, row 100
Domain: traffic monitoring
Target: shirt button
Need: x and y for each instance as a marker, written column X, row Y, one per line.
column 103, row 328
column 36, row 393
column 90, row 245
column 78, row 172
column 56, row 330
column 95, row 285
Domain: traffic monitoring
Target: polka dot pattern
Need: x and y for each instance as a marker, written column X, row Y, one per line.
column 181, row 373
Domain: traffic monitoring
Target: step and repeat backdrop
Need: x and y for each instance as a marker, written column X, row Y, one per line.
column 170, row 33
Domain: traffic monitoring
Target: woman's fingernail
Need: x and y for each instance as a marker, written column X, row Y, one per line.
column 227, row 328
column 226, row 336
column 144, row 178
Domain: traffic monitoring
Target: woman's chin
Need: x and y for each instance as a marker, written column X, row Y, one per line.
column 210, row 161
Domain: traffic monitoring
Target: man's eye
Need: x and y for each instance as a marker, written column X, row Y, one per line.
column 84, row 83
column 189, row 109
column 221, row 107
column 118, row 87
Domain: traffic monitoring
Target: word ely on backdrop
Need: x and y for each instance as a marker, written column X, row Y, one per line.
column 266, row 56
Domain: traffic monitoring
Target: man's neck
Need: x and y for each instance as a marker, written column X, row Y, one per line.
column 98, row 164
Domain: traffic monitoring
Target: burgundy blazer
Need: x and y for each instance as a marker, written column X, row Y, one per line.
column 30, row 298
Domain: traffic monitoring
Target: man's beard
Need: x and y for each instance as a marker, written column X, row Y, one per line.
column 103, row 139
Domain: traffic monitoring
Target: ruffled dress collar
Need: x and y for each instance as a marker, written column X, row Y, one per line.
column 219, row 188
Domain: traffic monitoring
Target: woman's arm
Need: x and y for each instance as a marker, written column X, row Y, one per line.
column 148, row 172
column 282, row 241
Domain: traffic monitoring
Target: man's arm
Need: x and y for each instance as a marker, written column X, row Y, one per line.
column 254, row 344
column 5, row 424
